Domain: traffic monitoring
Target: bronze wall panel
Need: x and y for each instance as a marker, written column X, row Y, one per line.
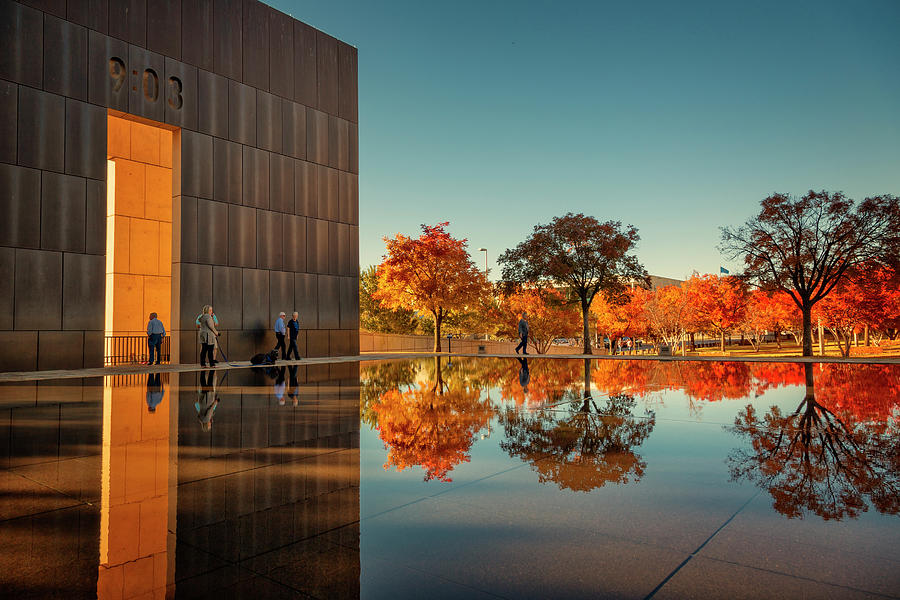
column 269, row 234
column 128, row 21
column 196, row 290
column 316, row 245
column 38, row 289
column 349, row 303
column 185, row 224
column 317, row 342
column 18, row 350
column 255, row 44
column 241, row 236
column 227, row 17
column 305, row 91
column 329, row 302
column 241, row 113
column 164, row 27
column 85, row 140
column 95, row 219
column 354, row 250
column 101, row 89
column 67, row 43
column 60, row 349
column 212, row 241
column 181, row 99
column 281, row 183
column 327, row 72
column 256, row 299
column 212, row 91
column 62, row 212
column 269, row 130
column 93, row 14
column 317, row 136
column 9, row 101
column 22, row 32
column 93, row 349
column 294, row 243
column 197, row 33
column 227, row 171
column 84, row 284
column 334, row 247
column 347, row 82
column 147, row 91
column 41, row 130
column 227, row 298
column 329, row 182
column 255, row 177
column 306, row 189
column 353, row 139
column 196, row 164
column 20, row 189
column 281, row 54
column 306, row 296
column 294, row 132
column 7, row 291
column 281, row 295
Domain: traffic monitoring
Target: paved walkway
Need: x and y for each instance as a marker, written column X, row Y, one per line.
column 369, row 356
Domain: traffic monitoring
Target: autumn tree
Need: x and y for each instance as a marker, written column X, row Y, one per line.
column 373, row 316
column 770, row 311
column 549, row 316
column 720, row 303
column 618, row 316
column 432, row 273
column 805, row 246
column 577, row 253
column 842, row 312
column 669, row 312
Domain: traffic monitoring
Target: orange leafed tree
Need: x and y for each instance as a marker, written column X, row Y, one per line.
column 770, row 311
column 620, row 315
column 720, row 302
column 431, row 273
column 549, row 317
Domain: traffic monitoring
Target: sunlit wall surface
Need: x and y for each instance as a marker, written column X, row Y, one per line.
column 139, row 226
column 265, row 174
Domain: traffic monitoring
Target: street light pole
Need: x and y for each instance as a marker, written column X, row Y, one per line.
column 485, row 258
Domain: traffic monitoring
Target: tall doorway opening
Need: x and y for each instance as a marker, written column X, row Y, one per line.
column 139, row 192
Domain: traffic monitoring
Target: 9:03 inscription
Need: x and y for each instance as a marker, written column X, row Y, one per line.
column 118, row 74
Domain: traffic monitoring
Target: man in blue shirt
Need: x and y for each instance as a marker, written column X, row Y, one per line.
column 155, row 334
column 280, row 330
column 294, row 329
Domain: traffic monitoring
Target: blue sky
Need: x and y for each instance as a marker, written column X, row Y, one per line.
column 676, row 117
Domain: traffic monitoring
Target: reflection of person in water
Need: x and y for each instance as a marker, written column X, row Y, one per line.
column 814, row 460
column 207, row 399
column 279, row 385
column 293, row 391
column 524, row 374
column 155, row 391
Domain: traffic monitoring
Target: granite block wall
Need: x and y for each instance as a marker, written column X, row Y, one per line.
column 265, row 207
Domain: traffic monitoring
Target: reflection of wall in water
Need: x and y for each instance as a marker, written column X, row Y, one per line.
column 268, row 476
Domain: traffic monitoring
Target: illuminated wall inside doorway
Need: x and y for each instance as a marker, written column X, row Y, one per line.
column 138, row 226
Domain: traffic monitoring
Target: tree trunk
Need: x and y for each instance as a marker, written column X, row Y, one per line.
column 585, row 307
column 438, row 317
column 777, row 340
column 806, row 310
column 722, row 341
column 867, row 335
column 693, row 347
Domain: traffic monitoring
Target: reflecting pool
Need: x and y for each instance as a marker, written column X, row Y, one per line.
column 456, row 478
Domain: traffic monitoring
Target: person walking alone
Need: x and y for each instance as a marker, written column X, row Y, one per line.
column 155, row 334
column 208, row 335
column 523, row 333
column 279, row 335
column 294, row 330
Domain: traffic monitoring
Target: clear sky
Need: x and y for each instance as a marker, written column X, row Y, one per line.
column 675, row 116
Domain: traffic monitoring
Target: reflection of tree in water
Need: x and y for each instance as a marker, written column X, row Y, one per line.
column 432, row 425
column 380, row 377
column 814, row 460
column 585, row 446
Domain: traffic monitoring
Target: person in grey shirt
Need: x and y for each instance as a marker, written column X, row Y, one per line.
column 523, row 333
column 280, row 330
column 208, row 335
column 155, row 334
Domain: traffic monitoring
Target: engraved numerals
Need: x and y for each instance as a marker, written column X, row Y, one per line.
column 118, row 73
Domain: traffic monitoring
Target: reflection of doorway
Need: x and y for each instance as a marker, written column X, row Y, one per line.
column 138, row 234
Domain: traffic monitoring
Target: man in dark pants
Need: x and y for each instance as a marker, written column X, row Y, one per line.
column 279, row 335
column 155, row 334
column 294, row 330
column 523, row 333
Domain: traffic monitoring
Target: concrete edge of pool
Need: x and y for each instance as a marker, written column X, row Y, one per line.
column 16, row 376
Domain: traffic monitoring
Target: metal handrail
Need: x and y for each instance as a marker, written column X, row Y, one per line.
column 132, row 349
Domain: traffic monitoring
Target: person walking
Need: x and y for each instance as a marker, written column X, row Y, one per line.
column 523, row 333
column 294, row 330
column 280, row 330
column 208, row 335
column 216, row 322
column 155, row 334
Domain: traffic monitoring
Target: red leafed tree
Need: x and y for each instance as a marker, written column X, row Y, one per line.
column 879, row 298
column 549, row 316
column 842, row 313
column 670, row 312
column 620, row 315
column 433, row 272
column 769, row 311
column 720, row 302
